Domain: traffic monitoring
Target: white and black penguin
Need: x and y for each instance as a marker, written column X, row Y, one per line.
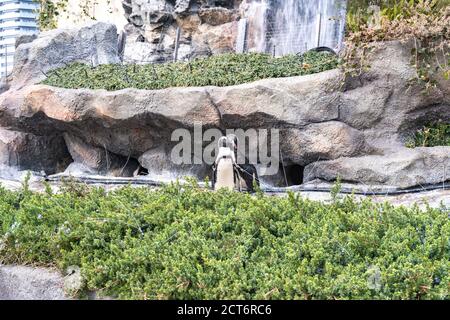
column 247, row 173
column 224, row 167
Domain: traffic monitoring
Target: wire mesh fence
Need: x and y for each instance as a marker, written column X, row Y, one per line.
column 296, row 38
column 274, row 39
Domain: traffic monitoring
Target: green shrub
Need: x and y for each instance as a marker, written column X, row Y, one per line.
column 437, row 134
column 358, row 14
column 181, row 242
column 220, row 70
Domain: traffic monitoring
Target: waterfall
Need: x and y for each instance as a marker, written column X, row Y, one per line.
column 256, row 14
column 292, row 26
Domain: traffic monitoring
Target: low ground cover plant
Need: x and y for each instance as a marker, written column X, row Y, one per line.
column 432, row 135
column 220, row 70
column 183, row 242
column 360, row 12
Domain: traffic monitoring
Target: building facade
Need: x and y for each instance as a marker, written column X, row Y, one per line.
column 17, row 17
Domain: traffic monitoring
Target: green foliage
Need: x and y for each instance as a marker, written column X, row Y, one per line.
column 437, row 134
column 182, row 242
column 358, row 14
column 337, row 187
column 220, row 70
column 50, row 10
column 48, row 13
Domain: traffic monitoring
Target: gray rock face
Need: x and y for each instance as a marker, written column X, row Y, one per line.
column 132, row 122
column 25, row 151
column 217, row 16
column 30, row 283
column 205, row 26
column 160, row 167
column 26, row 38
column 330, row 125
column 77, row 169
column 95, row 44
column 181, row 6
column 26, row 283
column 328, row 140
column 404, row 168
column 98, row 160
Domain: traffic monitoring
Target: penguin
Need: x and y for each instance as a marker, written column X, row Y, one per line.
column 224, row 167
column 246, row 173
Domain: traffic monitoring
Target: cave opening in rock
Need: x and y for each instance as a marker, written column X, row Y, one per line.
column 294, row 174
column 141, row 171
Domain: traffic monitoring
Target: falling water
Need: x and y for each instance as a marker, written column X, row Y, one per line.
column 292, row 26
column 256, row 14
